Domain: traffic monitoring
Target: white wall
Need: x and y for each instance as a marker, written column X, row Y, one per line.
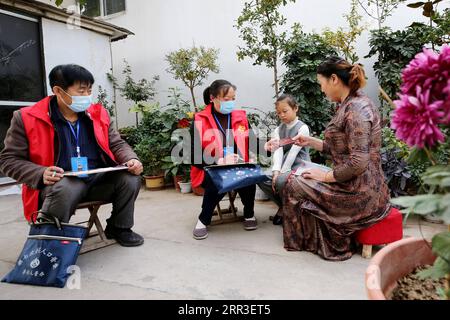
column 162, row 26
column 80, row 46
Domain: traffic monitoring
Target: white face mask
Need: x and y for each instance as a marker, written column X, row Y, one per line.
column 226, row 107
column 79, row 103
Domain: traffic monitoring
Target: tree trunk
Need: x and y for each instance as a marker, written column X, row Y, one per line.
column 193, row 98
column 378, row 15
column 275, row 76
column 137, row 120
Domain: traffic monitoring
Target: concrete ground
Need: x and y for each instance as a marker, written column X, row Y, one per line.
column 230, row 264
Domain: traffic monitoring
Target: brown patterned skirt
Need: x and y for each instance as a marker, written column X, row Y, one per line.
column 321, row 218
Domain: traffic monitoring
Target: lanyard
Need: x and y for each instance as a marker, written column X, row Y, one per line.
column 75, row 135
column 221, row 128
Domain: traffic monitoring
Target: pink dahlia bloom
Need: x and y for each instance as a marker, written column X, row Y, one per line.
column 430, row 71
column 446, row 106
column 416, row 119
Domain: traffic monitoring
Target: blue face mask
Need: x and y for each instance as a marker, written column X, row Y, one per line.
column 226, row 107
column 79, row 103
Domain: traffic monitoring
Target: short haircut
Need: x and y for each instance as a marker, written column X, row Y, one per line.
column 289, row 99
column 67, row 75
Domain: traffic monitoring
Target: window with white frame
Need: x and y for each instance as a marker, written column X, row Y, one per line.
column 22, row 81
column 21, row 68
column 102, row 8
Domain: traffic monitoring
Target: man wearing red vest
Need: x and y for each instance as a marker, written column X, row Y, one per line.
column 66, row 132
column 221, row 133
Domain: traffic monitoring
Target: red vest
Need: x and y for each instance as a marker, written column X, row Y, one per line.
column 211, row 138
column 40, row 134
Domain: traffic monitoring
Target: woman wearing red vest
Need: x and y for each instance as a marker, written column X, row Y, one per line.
column 67, row 132
column 220, row 135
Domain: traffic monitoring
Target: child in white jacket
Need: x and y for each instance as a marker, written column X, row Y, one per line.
column 289, row 157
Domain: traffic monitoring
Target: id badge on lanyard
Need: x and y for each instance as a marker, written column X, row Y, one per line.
column 227, row 150
column 78, row 163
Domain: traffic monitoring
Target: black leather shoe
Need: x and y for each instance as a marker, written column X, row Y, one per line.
column 125, row 237
column 277, row 220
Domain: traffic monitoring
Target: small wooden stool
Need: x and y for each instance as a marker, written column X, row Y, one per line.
column 388, row 230
column 227, row 215
column 97, row 239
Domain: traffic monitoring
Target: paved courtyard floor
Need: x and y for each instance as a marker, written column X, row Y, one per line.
column 230, row 264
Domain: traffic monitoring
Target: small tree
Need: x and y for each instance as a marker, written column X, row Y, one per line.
column 59, row 2
column 192, row 66
column 139, row 92
column 258, row 24
column 383, row 8
column 345, row 40
column 304, row 53
column 102, row 98
column 438, row 22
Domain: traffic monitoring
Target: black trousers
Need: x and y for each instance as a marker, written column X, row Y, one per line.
column 121, row 188
column 212, row 197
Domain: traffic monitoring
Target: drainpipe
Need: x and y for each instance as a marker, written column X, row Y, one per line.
column 114, row 87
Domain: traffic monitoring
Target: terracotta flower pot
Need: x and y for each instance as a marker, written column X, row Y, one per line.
column 154, row 182
column 392, row 263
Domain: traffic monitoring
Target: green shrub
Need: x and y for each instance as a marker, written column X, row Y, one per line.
column 395, row 49
column 304, row 53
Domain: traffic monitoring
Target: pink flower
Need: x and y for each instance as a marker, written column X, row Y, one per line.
column 446, row 106
column 430, row 71
column 416, row 120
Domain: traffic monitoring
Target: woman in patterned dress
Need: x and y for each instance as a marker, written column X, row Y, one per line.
column 322, row 209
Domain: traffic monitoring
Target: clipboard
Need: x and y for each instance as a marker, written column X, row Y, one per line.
column 93, row 171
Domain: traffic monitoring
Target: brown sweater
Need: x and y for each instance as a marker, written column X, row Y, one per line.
column 14, row 158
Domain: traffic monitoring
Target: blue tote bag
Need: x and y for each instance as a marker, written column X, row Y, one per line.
column 49, row 251
column 235, row 176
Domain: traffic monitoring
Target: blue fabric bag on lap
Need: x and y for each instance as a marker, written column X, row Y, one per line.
column 235, row 176
column 50, row 249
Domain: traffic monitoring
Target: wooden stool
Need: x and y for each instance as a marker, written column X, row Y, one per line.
column 97, row 239
column 388, row 230
column 227, row 215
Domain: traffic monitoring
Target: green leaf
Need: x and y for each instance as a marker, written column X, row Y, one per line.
column 439, row 270
column 426, row 207
column 441, row 245
column 417, row 155
column 436, row 169
column 445, row 182
column 444, row 295
column 410, row 201
column 416, row 4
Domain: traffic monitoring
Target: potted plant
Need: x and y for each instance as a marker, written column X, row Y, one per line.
column 422, row 119
column 151, row 154
column 392, row 263
column 154, row 145
column 192, row 66
column 139, row 92
column 176, row 169
column 185, row 184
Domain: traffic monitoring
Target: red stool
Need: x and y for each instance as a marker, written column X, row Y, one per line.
column 388, row 230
